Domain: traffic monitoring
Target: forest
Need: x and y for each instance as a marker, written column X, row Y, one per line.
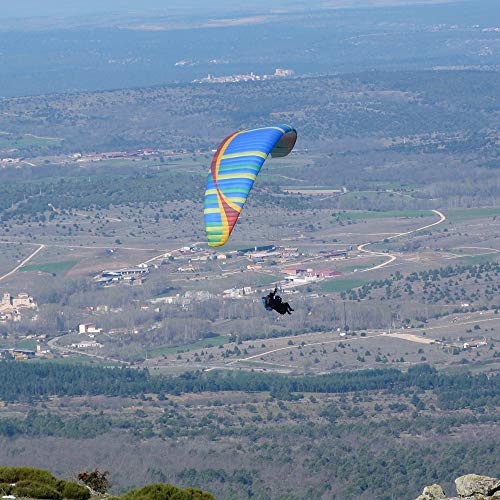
column 412, row 426
column 32, row 381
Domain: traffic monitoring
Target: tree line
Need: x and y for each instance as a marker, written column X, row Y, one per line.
column 34, row 381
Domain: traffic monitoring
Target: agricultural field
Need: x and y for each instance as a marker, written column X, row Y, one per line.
column 51, row 267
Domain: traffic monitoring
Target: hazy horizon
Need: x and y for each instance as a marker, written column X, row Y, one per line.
column 28, row 9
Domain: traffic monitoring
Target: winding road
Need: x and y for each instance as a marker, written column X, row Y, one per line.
column 392, row 258
column 52, row 343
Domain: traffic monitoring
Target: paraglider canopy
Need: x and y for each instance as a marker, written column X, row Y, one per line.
column 234, row 168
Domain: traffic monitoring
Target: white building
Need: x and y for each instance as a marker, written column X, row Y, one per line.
column 90, row 344
column 88, row 328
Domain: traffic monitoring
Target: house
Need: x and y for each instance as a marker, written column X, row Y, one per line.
column 166, row 300
column 88, row 328
column 261, row 255
column 254, row 267
column 236, row 293
column 474, row 344
column 133, row 275
column 325, row 273
column 299, row 279
column 263, row 248
column 22, row 354
column 289, row 252
column 9, row 303
column 187, row 269
column 90, row 344
column 296, row 271
column 121, row 273
column 199, row 295
column 42, row 350
column 23, row 301
column 201, row 258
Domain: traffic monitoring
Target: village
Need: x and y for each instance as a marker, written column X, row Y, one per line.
column 251, row 77
column 11, row 307
column 189, row 260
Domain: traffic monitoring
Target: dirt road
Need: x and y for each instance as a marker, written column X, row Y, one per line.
column 392, row 258
column 24, row 262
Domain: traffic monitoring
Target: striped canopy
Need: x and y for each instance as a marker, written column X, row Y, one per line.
column 234, row 168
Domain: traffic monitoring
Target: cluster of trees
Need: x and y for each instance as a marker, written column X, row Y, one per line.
column 37, row 424
column 23, row 381
column 470, row 283
column 28, row 201
column 364, row 433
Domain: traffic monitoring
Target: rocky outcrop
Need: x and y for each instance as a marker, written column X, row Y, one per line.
column 434, row 492
column 469, row 487
column 472, row 484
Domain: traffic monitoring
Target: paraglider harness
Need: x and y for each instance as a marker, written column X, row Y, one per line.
column 271, row 299
column 266, row 304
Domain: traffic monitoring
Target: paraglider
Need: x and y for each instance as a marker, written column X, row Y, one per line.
column 273, row 302
column 234, row 168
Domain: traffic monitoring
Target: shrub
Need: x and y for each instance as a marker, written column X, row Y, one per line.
column 197, row 494
column 34, row 489
column 73, row 491
column 97, row 481
column 15, row 474
column 7, row 475
column 166, row 492
column 5, row 489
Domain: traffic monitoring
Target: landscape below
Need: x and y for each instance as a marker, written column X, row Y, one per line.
column 129, row 346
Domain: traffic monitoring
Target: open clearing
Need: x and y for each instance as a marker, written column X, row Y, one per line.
column 384, row 215
column 411, row 338
column 50, row 267
column 342, row 284
column 460, row 215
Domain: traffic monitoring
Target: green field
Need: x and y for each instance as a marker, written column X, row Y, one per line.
column 28, row 141
column 199, row 344
column 77, row 360
column 27, row 344
column 391, row 214
column 471, row 213
column 51, row 267
column 351, row 267
column 341, row 285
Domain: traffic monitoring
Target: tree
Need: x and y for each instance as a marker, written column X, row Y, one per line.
column 97, row 481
